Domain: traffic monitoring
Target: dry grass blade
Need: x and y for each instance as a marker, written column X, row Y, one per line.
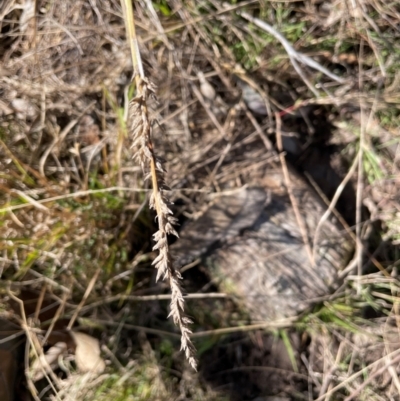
column 140, row 129
column 293, row 54
column 299, row 218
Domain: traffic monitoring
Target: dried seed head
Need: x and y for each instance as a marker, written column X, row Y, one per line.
column 152, row 166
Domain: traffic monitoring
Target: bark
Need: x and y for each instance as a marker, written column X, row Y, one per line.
column 251, row 241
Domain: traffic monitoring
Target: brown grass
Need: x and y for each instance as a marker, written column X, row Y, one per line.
column 73, row 203
column 140, row 130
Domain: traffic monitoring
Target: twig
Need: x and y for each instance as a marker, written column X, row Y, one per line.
column 360, row 178
column 32, row 342
column 146, row 298
column 363, row 371
column 278, row 324
column 274, row 325
column 58, row 139
column 76, row 194
column 84, row 298
column 286, row 175
column 40, row 301
column 327, row 378
column 294, row 56
column 28, row 199
column 388, row 364
column 209, row 111
column 260, row 131
column 79, row 194
column 55, row 318
column 333, row 202
column 343, row 222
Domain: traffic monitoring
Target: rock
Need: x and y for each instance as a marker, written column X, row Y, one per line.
column 251, row 242
column 229, row 214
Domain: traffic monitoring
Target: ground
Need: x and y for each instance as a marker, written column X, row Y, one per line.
column 76, row 229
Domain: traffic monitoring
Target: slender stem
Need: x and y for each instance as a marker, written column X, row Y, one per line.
column 132, row 38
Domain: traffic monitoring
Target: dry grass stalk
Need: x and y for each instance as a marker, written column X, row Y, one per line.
column 140, row 129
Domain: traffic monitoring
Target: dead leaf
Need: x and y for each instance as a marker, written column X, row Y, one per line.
column 87, row 353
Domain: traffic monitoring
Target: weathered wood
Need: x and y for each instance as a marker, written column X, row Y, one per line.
column 251, row 241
